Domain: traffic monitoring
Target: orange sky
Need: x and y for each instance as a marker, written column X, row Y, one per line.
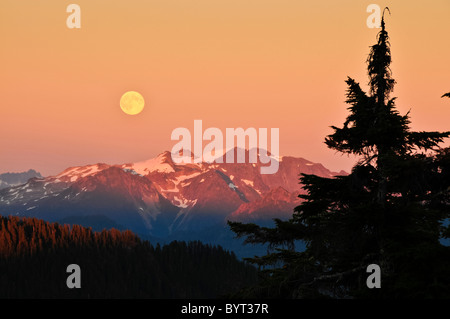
column 230, row 63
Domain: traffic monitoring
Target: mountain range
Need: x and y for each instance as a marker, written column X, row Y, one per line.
column 13, row 179
column 161, row 200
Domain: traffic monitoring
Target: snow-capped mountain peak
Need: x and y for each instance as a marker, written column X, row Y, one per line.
column 162, row 164
column 72, row 174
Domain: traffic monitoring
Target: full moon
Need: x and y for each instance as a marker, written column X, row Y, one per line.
column 132, row 103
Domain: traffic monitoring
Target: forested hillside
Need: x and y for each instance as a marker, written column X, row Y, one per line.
column 34, row 256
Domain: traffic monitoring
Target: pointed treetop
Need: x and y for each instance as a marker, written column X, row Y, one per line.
column 386, row 8
column 380, row 81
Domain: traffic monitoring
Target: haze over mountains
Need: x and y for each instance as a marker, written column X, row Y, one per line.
column 161, row 200
column 13, row 179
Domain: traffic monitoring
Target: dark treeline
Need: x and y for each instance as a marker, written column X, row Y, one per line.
column 34, row 256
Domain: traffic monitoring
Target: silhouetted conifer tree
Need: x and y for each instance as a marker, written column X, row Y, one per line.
column 388, row 211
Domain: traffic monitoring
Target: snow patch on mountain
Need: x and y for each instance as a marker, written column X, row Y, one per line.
column 72, row 174
column 171, row 190
column 246, row 181
column 157, row 164
column 182, row 178
column 184, row 203
column 232, row 186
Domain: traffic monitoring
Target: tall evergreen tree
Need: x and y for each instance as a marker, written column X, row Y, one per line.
column 388, row 211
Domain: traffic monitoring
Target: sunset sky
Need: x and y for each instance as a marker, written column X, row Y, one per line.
column 231, row 63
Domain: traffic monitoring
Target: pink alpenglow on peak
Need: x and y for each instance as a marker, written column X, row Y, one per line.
column 214, row 151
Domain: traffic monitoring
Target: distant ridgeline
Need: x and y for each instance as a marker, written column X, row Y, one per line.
column 12, row 179
column 34, row 256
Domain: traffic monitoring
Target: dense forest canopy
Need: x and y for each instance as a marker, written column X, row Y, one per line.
column 34, row 255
